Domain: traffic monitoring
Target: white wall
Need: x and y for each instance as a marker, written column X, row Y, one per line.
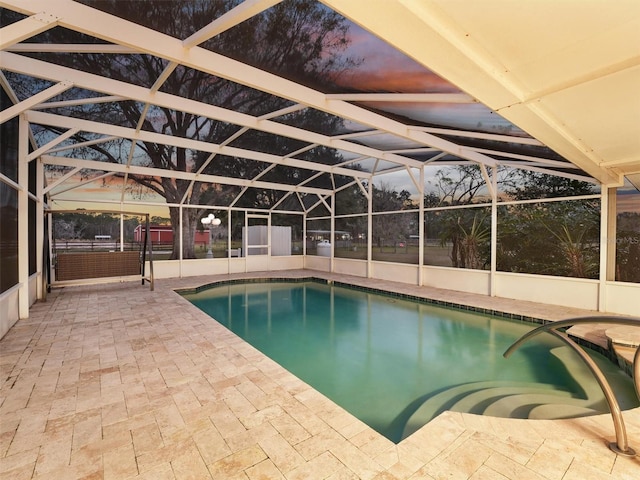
column 462, row 280
column 237, row 265
column 348, row 266
column 33, row 288
column 223, row 266
column 294, row 262
column 622, row 298
column 564, row 291
column 619, row 298
column 8, row 309
column 313, row 262
column 209, row 266
column 395, row 272
column 164, row 269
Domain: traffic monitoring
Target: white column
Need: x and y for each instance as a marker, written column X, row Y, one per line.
column 121, row 232
column 494, row 232
column 23, row 218
column 333, row 232
column 369, row 230
column 40, row 233
column 304, row 234
column 604, row 247
column 269, row 239
column 229, row 235
column 50, row 233
column 421, row 228
column 612, row 233
column 181, row 212
column 245, row 240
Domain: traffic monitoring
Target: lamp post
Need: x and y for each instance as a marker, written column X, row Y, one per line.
column 210, row 221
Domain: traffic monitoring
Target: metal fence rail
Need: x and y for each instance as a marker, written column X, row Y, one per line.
column 621, row 445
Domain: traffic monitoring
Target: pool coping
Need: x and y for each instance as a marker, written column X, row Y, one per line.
column 403, row 296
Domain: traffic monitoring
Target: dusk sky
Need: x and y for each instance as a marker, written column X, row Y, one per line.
column 384, row 69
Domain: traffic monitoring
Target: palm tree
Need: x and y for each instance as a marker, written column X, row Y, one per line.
column 467, row 240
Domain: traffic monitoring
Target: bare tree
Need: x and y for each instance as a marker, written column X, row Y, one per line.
column 301, row 40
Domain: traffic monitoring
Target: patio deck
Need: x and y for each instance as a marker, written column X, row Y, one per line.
column 114, row 381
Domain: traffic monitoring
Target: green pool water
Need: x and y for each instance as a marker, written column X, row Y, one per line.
column 375, row 355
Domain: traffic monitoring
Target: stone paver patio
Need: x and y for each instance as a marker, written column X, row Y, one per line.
column 114, row 381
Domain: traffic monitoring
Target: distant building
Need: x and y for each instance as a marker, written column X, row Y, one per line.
column 163, row 234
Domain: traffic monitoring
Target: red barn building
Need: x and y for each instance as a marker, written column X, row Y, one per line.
column 163, row 234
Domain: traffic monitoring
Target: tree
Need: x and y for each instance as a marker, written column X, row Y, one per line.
column 389, row 229
column 465, row 230
column 628, row 247
column 302, row 40
column 457, row 185
column 552, row 238
column 86, row 225
column 532, row 185
column 469, row 236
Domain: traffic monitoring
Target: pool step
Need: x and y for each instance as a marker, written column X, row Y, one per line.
column 555, row 411
column 521, row 405
column 580, row 373
column 517, row 399
column 472, row 397
column 480, row 402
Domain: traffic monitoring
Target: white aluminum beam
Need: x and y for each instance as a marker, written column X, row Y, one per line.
column 157, row 172
column 88, row 143
column 533, row 168
column 488, row 182
column 54, row 196
column 153, row 137
column 117, row 30
column 39, row 69
column 403, row 97
column 26, row 28
column 233, row 17
column 49, row 146
column 530, row 158
column 71, row 48
column 481, row 135
column 43, row 96
column 61, row 180
column 80, row 101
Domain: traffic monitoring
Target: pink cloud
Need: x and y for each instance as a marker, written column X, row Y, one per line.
column 383, row 68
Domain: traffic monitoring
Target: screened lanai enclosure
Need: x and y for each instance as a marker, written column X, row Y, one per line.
column 488, row 147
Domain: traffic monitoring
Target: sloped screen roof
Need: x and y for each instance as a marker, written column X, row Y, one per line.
column 296, row 97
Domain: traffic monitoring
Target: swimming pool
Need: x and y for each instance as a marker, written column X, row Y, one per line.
column 383, row 358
